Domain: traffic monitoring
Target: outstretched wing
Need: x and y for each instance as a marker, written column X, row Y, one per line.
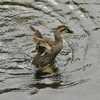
column 36, row 32
column 37, row 37
column 42, row 42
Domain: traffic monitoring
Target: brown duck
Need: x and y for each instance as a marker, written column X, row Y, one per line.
column 47, row 50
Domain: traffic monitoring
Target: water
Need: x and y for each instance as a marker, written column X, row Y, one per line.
column 78, row 61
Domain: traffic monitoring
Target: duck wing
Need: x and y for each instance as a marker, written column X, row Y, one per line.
column 36, row 32
column 37, row 28
column 42, row 42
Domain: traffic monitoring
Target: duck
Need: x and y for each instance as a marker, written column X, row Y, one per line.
column 47, row 50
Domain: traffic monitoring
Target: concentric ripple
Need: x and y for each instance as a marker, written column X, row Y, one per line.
column 79, row 59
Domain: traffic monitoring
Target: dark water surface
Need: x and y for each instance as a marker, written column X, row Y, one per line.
column 78, row 61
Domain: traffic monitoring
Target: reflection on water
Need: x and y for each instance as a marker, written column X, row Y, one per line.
column 16, row 42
